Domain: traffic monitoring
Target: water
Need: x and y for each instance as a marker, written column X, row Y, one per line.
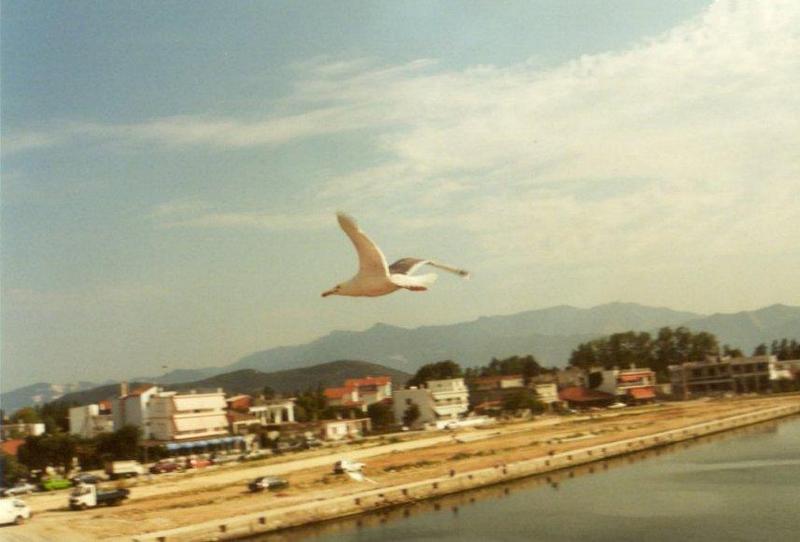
column 739, row 486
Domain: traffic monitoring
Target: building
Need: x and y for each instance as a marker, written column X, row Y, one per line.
column 487, row 393
column 344, row 429
column 89, row 420
column 725, row 375
column 438, row 401
column 185, row 416
column 360, row 392
column 580, row 397
column 130, row 408
column 20, row 430
column 273, row 411
column 634, row 385
column 547, row 393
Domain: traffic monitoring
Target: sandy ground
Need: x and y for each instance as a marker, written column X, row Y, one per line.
column 176, row 500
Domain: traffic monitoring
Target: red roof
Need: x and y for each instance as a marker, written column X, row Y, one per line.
column 140, row 390
column 579, row 394
column 336, row 393
column 642, row 393
column 11, row 447
column 633, row 377
column 367, row 381
column 105, row 404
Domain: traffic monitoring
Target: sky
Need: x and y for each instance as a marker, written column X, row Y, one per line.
column 171, row 170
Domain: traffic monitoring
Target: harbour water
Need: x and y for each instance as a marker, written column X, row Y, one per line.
column 743, row 485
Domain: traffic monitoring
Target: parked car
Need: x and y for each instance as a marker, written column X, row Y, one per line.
column 13, row 511
column 283, row 446
column 85, row 478
column 198, row 463
column 52, row 483
column 221, row 459
column 312, row 442
column 165, row 466
column 20, row 488
column 254, row 454
column 123, row 469
column 267, row 482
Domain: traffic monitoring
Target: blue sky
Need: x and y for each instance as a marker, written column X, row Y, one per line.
column 171, row 170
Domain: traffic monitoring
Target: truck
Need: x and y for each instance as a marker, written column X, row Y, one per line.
column 88, row 496
column 123, row 469
column 13, row 511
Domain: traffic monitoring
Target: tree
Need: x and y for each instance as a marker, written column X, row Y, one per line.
column 269, row 393
column 731, row 352
column 441, row 370
column 526, row 366
column 760, row 350
column 523, row 400
column 411, row 414
column 381, row 415
column 55, row 450
column 121, row 444
column 11, row 470
column 26, row 415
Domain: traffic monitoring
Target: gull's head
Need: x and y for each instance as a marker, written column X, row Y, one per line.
column 336, row 290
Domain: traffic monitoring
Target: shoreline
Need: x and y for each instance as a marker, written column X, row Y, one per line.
column 253, row 524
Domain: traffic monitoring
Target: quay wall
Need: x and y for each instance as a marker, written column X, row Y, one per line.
column 327, row 509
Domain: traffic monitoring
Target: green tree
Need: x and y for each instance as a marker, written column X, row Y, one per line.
column 11, row 470
column 26, row 415
column 760, row 350
column 55, row 450
column 380, row 414
column 441, row 370
column 523, row 400
column 731, row 352
column 121, row 444
column 411, row 414
column 268, row 392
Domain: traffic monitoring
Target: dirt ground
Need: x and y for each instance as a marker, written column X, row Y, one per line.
column 176, row 500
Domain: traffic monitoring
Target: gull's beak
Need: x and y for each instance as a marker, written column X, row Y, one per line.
column 326, row 294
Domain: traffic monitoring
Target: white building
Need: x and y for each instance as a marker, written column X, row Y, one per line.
column 176, row 417
column 273, row 411
column 87, row 422
column 630, row 385
column 547, row 393
column 439, row 400
column 130, row 408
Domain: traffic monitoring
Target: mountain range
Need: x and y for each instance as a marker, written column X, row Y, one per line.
column 550, row 334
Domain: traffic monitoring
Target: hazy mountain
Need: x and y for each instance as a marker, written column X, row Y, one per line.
column 38, row 394
column 251, row 381
column 326, row 375
column 550, row 334
column 747, row 329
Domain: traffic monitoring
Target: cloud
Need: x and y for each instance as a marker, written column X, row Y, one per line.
column 194, row 214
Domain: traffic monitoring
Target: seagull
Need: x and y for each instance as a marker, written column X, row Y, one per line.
column 375, row 277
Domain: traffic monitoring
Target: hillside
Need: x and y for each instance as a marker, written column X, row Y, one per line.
column 251, row 381
column 329, row 374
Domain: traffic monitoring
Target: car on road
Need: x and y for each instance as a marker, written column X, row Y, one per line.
column 198, row 463
column 165, row 466
column 20, row 488
column 13, row 511
column 51, row 483
column 346, row 465
column 267, row 482
column 85, row 478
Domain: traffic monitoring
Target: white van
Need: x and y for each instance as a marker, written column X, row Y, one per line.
column 13, row 511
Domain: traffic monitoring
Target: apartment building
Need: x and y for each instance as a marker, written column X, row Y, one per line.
column 175, row 417
column 438, row 401
column 633, row 385
column 90, row 420
column 725, row 375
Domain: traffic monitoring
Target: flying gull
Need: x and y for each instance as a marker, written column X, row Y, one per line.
column 374, row 277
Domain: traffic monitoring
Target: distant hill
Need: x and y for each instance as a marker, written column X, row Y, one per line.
column 251, row 381
column 38, row 394
column 329, row 374
column 550, row 334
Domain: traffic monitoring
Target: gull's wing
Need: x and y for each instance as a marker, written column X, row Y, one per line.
column 370, row 258
column 407, row 266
